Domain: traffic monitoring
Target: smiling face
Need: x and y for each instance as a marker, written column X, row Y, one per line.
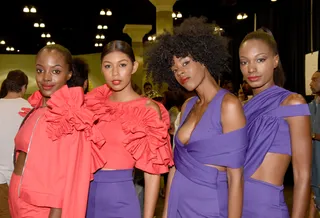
column 257, row 63
column 188, row 72
column 53, row 71
column 117, row 69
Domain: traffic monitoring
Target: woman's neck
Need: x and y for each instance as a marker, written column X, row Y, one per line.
column 13, row 95
column 124, row 95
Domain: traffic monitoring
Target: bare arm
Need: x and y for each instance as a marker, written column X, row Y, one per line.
column 232, row 118
column 55, row 213
column 301, row 158
column 169, row 182
column 152, row 185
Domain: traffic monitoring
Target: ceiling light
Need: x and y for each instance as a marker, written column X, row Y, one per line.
column 2, row 42
column 49, row 43
column 100, row 44
column 26, row 9
column 102, row 37
column 96, row 44
column 154, row 38
column 105, row 27
column 12, row 49
column 33, row 10
column 52, row 43
column 18, row 50
column 48, row 35
column 42, row 25
column 99, row 27
column 149, row 38
column 239, row 17
column 36, row 24
column 179, row 15
column 109, row 13
column 102, row 12
column 221, row 29
column 273, row 0
column 43, row 35
column 244, row 16
column 97, row 36
column 174, row 15
column 8, row 48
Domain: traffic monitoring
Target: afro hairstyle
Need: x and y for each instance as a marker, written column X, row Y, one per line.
column 194, row 38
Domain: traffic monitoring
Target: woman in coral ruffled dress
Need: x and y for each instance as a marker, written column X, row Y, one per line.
column 56, row 146
column 136, row 133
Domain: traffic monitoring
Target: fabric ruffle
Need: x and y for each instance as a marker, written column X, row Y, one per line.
column 67, row 114
column 147, row 138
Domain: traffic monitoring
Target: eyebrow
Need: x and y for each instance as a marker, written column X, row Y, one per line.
column 255, row 55
column 57, row 65
column 117, row 61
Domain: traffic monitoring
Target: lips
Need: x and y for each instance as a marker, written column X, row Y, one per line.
column 47, row 87
column 116, row 82
column 184, row 80
column 253, row 78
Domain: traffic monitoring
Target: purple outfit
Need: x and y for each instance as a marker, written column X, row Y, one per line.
column 198, row 190
column 267, row 132
column 118, row 184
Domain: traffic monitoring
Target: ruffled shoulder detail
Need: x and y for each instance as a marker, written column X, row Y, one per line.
column 147, row 138
column 35, row 99
column 96, row 99
column 66, row 114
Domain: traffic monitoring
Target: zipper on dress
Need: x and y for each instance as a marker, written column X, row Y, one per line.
column 25, row 162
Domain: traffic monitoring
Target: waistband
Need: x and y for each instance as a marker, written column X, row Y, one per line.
column 109, row 176
column 263, row 191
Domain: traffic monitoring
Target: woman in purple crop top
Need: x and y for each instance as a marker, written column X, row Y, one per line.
column 278, row 130
column 211, row 140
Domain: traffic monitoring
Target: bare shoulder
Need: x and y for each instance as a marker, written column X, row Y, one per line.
column 154, row 106
column 294, row 99
column 183, row 107
column 231, row 104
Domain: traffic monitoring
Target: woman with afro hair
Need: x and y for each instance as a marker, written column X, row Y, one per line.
column 211, row 140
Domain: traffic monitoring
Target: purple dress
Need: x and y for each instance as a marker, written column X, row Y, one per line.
column 267, row 132
column 198, row 190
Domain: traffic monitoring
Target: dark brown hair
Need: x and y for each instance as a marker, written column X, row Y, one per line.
column 14, row 82
column 59, row 48
column 265, row 35
column 118, row 45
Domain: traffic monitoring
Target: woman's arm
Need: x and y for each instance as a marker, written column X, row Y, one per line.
column 301, row 158
column 152, row 186
column 169, row 181
column 55, row 213
column 232, row 118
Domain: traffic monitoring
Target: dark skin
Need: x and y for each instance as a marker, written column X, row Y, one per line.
column 258, row 60
column 195, row 76
column 52, row 74
column 315, row 88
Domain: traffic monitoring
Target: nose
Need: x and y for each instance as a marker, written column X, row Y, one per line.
column 252, row 67
column 47, row 76
column 115, row 71
column 180, row 72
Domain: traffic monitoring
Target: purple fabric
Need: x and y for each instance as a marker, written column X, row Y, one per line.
column 198, row 190
column 112, row 195
column 267, row 132
column 264, row 117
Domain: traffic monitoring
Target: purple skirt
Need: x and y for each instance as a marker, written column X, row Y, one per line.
column 263, row 200
column 112, row 195
column 191, row 200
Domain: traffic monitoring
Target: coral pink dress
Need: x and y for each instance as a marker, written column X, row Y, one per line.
column 62, row 146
